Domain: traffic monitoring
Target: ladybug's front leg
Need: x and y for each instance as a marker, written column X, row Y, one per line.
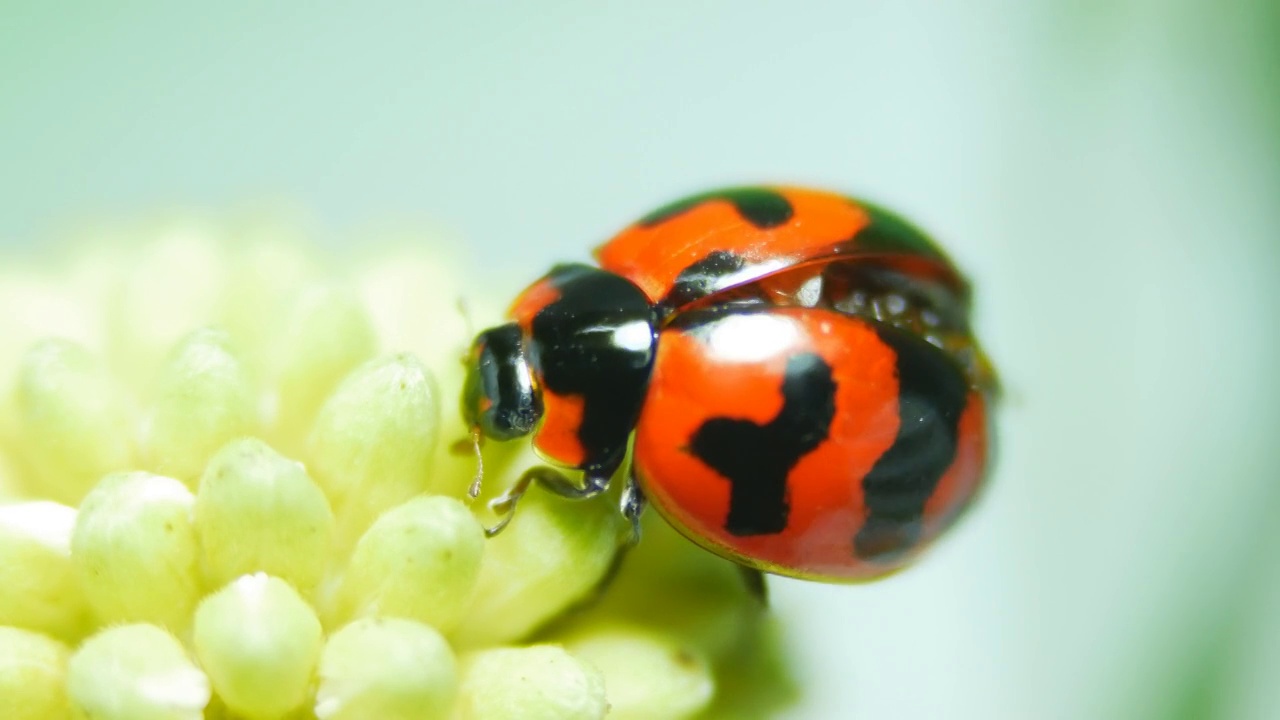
column 594, row 482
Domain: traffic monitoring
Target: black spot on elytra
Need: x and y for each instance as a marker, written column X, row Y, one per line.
column 758, row 458
column 932, row 393
column 762, row 207
column 702, row 278
column 888, row 232
column 578, row 355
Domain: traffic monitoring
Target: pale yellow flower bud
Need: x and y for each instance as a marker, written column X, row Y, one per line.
column 135, row 551
column 259, row 641
column 136, row 672
column 647, row 673
column 554, row 553
column 306, row 483
column 373, row 441
column 38, row 585
column 327, row 335
column 266, row 283
column 171, row 285
column 33, row 676
column 73, row 426
column 420, row 560
column 671, row 584
column 203, row 399
column 40, row 305
column 9, row 490
column 389, row 669
column 415, row 301
column 542, row 682
column 257, row 511
column 412, row 301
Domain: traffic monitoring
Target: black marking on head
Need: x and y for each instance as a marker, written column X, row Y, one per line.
column 758, row 458
column 702, row 278
column 576, row 340
column 932, row 394
column 762, row 207
column 498, row 394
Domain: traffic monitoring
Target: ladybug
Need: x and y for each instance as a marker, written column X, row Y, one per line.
column 793, row 369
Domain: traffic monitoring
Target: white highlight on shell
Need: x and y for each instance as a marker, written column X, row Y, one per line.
column 751, row 337
column 635, row 335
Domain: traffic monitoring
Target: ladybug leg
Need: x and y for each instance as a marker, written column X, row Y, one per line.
column 593, row 483
column 753, row 580
column 633, row 504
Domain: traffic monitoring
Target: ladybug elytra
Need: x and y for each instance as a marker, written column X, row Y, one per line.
column 796, row 369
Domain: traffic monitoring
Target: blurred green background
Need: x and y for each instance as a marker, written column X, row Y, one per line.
column 1109, row 172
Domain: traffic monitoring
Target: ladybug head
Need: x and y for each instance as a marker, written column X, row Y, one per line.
column 500, row 396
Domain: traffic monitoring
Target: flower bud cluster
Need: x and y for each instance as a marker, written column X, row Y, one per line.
column 227, row 490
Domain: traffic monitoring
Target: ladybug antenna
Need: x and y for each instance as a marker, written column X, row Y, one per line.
column 464, row 310
column 468, row 328
column 477, row 440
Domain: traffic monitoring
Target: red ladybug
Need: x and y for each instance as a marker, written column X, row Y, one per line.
column 796, row 367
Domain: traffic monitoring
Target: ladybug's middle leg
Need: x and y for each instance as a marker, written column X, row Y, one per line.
column 754, row 581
